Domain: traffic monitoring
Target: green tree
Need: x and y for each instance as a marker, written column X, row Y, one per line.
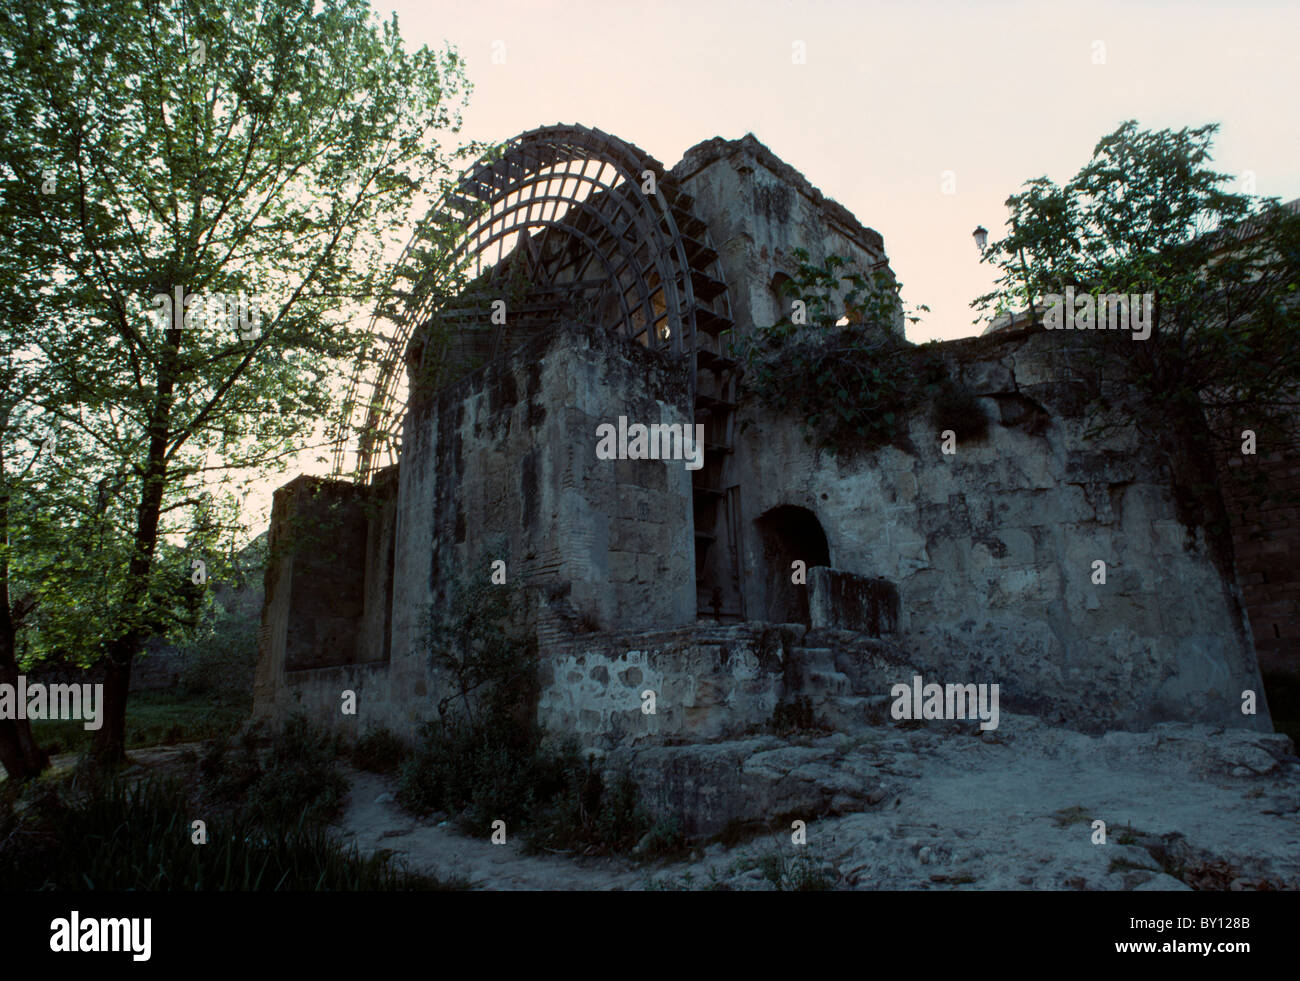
column 255, row 160
column 1148, row 214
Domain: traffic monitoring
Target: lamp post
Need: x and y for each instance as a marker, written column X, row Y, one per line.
column 981, row 236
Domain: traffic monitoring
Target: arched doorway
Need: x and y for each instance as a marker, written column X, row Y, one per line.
column 789, row 533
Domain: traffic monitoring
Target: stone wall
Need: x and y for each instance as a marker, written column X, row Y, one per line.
column 982, row 561
column 499, row 466
column 843, row 601
column 706, row 684
column 993, row 548
column 328, row 596
column 713, row 682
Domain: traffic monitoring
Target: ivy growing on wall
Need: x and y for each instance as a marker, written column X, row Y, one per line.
column 837, row 360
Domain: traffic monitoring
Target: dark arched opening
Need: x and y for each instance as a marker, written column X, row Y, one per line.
column 789, row 534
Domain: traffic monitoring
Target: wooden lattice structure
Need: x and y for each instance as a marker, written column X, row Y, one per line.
column 561, row 224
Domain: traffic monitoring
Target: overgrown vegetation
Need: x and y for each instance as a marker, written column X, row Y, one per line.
column 221, row 659
column 493, row 769
column 265, row 805
column 485, row 758
column 1149, row 215
column 292, row 779
column 138, row 836
column 800, row 872
column 851, row 384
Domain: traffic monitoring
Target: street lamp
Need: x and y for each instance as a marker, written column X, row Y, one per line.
column 981, row 235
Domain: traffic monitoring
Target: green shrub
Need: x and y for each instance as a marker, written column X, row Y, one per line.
column 852, row 385
column 485, row 758
column 801, row 872
column 220, row 661
column 379, row 751
column 587, row 816
column 556, row 799
column 664, row 840
column 293, row 780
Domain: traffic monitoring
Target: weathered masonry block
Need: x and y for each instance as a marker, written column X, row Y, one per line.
column 844, row 601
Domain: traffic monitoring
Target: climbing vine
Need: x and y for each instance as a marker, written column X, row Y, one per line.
column 852, row 382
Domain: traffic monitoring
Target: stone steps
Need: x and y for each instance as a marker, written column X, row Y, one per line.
column 847, row 690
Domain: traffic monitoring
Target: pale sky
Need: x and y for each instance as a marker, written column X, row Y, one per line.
column 891, row 96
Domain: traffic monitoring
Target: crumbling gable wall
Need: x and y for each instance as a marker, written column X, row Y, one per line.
column 503, row 466
column 759, row 209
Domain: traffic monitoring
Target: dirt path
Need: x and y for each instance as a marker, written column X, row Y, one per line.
column 374, row 820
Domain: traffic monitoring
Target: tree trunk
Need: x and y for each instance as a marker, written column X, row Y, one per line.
column 21, row 756
column 110, row 744
column 110, row 741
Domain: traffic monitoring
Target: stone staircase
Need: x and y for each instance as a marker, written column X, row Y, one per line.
column 845, row 675
column 847, row 686
column 834, row 767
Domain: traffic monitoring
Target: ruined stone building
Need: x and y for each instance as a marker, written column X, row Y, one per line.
column 624, row 284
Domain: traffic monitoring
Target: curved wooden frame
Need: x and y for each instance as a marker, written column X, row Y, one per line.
column 502, row 199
